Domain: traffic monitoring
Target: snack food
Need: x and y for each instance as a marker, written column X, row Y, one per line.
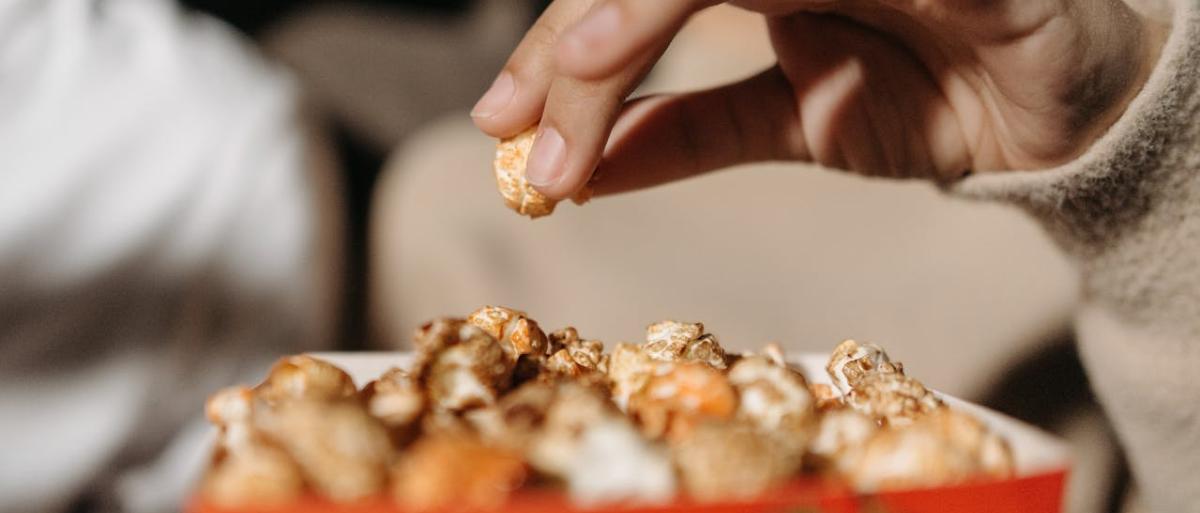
column 491, row 406
column 509, row 166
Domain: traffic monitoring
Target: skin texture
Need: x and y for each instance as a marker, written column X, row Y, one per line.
column 901, row 88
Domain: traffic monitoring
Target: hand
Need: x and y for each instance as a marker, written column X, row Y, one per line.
column 903, row 88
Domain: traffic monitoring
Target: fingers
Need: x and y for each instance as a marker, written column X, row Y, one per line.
column 576, row 122
column 866, row 104
column 666, row 138
column 577, row 113
column 616, row 32
column 518, row 94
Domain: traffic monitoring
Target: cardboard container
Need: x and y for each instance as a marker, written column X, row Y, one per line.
column 1042, row 464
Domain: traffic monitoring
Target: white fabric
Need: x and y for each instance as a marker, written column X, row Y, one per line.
column 158, row 235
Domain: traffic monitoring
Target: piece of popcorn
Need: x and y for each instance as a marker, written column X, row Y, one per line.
column 612, row 462
column 303, row 377
column 517, row 333
column 455, row 473
column 839, row 437
column 397, row 400
column 256, row 473
column 467, row 375
column 518, row 194
column 447, row 423
column 672, row 341
column 774, row 352
column 596, row 450
column 941, row 448
column 686, row 394
column 517, row 418
column 342, row 451
column 230, row 405
column 965, row 431
column 996, row 457
column 773, row 397
column 731, row 460
column 574, row 407
column 461, row 365
column 667, row 340
column 629, row 369
column 232, row 410
column 571, row 355
column 438, row 334
column 892, row 397
column 851, row 361
column 827, row 397
column 874, row 385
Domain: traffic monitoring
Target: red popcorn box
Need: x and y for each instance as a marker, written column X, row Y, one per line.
column 1038, row 485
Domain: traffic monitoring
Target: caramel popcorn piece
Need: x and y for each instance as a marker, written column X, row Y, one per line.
column 988, row 449
column 438, row 334
column 773, row 397
column 851, row 361
column 597, row 451
column 774, row 352
column 614, row 463
column 518, row 334
column 572, row 356
column 230, row 406
column 232, row 411
column 672, row 403
column 826, row 396
column 874, row 385
column 942, row 448
column 247, row 468
column 256, row 473
column 894, row 398
column 305, row 377
column 667, row 340
column 721, row 461
column 467, row 375
column 515, row 420
column 629, row 369
column 461, row 365
column 575, row 407
column 456, row 473
column 672, row 341
column 396, row 399
column 518, row 194
column 342, row 451
column 838, row 441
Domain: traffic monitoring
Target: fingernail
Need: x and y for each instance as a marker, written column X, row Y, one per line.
column 496, row 98
column 546, row 160
column 598, row 28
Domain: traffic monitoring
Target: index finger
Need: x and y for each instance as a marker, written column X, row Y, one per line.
column 517, row 96
column 614, row 33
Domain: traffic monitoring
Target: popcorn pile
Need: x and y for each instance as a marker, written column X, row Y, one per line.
column 493, row 405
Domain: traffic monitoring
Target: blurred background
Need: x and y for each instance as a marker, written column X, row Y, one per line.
column 972, row 297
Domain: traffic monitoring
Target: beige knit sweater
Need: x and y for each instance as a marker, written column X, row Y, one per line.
column 1128, row 214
